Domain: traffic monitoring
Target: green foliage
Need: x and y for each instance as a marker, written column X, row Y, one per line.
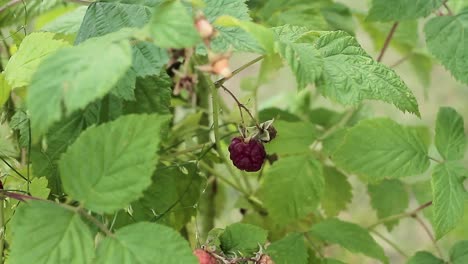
column 161, row 245
column 337, row 193
column 446, row 37
column 296, row 137
column 449, row 196
column 380, row 148
column 424, row 257
column 350, row 236
column 450, row 137
column 382, row 10
column 122, row 169
column 68, row 23
column 291, row 249
column 243, row 238
column 5, row 89
column 459, row 252
column 59, row 235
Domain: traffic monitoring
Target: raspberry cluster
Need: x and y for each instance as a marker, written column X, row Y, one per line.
column 247, row 155
column 204, row 257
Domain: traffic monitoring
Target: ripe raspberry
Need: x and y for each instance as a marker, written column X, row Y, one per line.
column 248, row 156
column 204, row 257
column 265, row 259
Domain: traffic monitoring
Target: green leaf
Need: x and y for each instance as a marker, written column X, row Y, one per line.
column 172, row 26
column 231, row 37
column 397, row 10
column 120, row 159
column 388, row 197
column 20, row 121
column 424, row 257
column 350, row 236
column 148, row 59
column 145, row 243
column 304, row 188
column 172, row 196
column 103, row 18
column 337, row 192
column 449, row 195
column 32, row 51
column 152, row 95
column 351, row 75
column 60, row 236
column 381, row 148
column 289, row 250
column 446, row 38
column 19, row 13
column 339, row 17
column 72, row 78
column 38, row 187
column 242, row 238
column 68, row 23
column 5, row 89
column 450, row 138
column 292, row 138
column 459, row 252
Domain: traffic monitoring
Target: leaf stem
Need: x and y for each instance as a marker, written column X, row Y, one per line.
column 399, row 216
column 218, row 175
column 428, row 232
column 434, row 159
column 96, row 222
column 387, row 41
column 450, row 13
column 392, row 244
column 220, row 82
column 241, row 106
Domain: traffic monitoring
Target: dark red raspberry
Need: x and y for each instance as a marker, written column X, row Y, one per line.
column 248, row 156
column 204, row 257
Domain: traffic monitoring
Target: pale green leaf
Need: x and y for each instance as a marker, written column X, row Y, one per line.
column 68, row 23
column 5, row 89
column 152, row 94
column 381, row 148
column 120, row 159
column 337, row 192
column 72, row 78
column 292, row 137
column 173, row 33
column 304, row 188
column 351, row 75
column 350, row 236
column 447, row 38
column 424, row 257
column 450, row 138
column 244, row 238
column 289, row 250
column 459, row 252
column 388, row 197
column 60, row 236
column 448, row 196
column 20, row 13
column 38, row 187
column 398, row 10
column 145, row 243
column 32, row 51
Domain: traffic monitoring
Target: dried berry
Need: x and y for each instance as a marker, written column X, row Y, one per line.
column 204, row 257
column 248, row 156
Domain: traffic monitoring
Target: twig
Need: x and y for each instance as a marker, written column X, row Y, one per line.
column 399, row 216
column 387, row 41
column 220, row 82
column 9, row 4
column 434, row 159
column 428, row 232
column 392, row 244
column 93, row 220
column 400, row 61
column 241, row 106
column 448, row 8
column 17, row 172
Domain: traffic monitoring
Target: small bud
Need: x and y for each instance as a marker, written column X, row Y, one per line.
column 221, row 67
column 204, row 27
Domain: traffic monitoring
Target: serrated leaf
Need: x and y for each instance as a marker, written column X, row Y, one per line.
column 350, row 75
column 169, row 32
column 20, row 121
column 459, row 252
column 398, row 10
column 449, row 196
column 38, row 188
column 72, row 78
column 60, row 236
column 289, row 250
column 18, row 13
column 120, row 159
column 337, row 192
column 5, row 89
column 292, row 138
column 152, row 94
column 388, row 197
column 148, row 59
column 244, row 238
column 231, row 37
column 446, row 38
column 424, row 257
column 350, row 236
column 450, row 138
column 161, row 245
column 381, row 148
column 304, row 188
column 33, row 50
column 68, row 23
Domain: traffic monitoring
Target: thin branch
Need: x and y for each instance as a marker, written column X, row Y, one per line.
column 17, row 172
column 93, row 220
column 434, row 159
column 9, row 4
column 450, row 13
column 400, row 61
column 392, row 244
column 399, row 216
column 241, row 106
column 220, row 82
column 387, row 41
column 428, row 232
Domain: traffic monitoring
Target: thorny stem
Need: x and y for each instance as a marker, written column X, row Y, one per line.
column 220, row 82
column 428, row 232
column 387, row 41
column 392, row 244
column 399, row 216
column 93, row 220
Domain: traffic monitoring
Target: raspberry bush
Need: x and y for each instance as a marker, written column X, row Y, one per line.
column 233, row 131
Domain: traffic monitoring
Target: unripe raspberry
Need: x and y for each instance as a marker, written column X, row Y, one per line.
column 204, row 257
column 204, row 28
column 265, row 259
column 248, row 156
column 221, row 67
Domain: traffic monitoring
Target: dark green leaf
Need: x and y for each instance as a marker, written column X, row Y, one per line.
column 289, row 250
